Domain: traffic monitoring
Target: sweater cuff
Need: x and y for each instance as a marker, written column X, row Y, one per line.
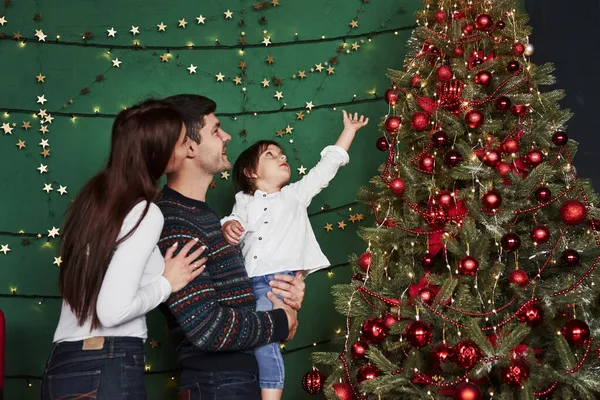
column 280, row 325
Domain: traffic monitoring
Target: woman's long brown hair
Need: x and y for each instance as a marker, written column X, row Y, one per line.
column 143, row 139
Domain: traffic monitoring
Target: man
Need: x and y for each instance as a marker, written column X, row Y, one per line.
column 213, row 319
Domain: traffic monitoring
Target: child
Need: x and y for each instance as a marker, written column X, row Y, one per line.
column 271, row 219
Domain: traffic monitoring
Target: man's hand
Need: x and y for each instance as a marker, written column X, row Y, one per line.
column 291, row 288
column 233, row 230
column 291, row 314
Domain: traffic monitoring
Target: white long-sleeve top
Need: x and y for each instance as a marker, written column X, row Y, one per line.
column 133, row 284
column 278, row 235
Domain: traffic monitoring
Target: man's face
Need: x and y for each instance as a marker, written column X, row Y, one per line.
column 211, row 152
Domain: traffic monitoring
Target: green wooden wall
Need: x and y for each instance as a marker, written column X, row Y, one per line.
column 82, row 92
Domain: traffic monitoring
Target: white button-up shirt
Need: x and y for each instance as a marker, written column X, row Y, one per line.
column 278, row 235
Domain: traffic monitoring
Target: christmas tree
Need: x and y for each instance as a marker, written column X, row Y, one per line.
column 478, row 279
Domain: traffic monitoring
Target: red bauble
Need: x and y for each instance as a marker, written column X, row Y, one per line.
column 458, row 51
column 415, row 81
column 440, row 16
column 418, row 334
column 519, row 110
column 510, row 146
column 573, row 212
column 503, row 168
column 392, row 124
column 532, row 314
column 440, row 139
column 477, row 61
column 570, row 257
column 503, row 103
column 367, row 373
column 426, row 295
column 510, row 242
column 560, row 138
column 445, row 198
column 468, row 265
column 518, row 49
column 374, row 330
column 419, row 121
column 576, row 332
column 441, row 353
column 491, row 158
column 519, row 352
column 427, row 261
column 543, row 194
column 359, row 350
column 397, row 186
column 343, row 391
column 444, row 73
column 515, row 374
column 483, row 78
column 474, row 119
column 452, row 158
column 390, row 319
column 427, row 162
column 358, row 277
column 483, row 22
column 382, row 144
column 518, row 277
column 500, row 25
column 540, row 234
column 466, row 391
column 313, row 381
column 513, row 66
column 534, row 157
column 364, row 261
column 391, row 96
column 466, row 354
column 491, row 200
column 467, row 29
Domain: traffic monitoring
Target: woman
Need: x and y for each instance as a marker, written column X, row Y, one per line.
column 113, row 272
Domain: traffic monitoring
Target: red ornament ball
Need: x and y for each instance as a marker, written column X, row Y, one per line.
column 560, row 138
column 515, row 374
column 468, row 29
column 374, row 330
column 570, row 257
column 427, row 261
column 441, row 353
column 532, row 314
column 503, row 103
column 510, row 242
column 513, row 66
column 468, row 265
column 427, row 162
column 391, row 96
column 534, row 158
column 519, row 110
column 313, row 382
column 510, row 146
column 483, row 78
column 444, row 73
column 474, row 119
column 426, row 295
column 440, row 139
column 483, row 22
column 343, row 391
column 440, row 16
column 419, row 121
column 382, row 144
column 576, row 332
column 491, row 200
column 519, row 352
column 415, row 81
column 392, row 124
column 445, row 198
column 367, row 373
column 477, row 61
column 452, row 158
column 364, row 261
column 390, row 319
column 543, row 194
column 500, row 25
column 503, row 168
column 359, row 350
column 518, row 277
column 573, row 212
column 518, row 49
column 458, row 51
column 397, row 186
column 540, row 234
column 491, row 158
column 418, row 334
column 466, row 354
column 466, row 391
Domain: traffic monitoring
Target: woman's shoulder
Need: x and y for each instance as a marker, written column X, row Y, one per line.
column 153, row 217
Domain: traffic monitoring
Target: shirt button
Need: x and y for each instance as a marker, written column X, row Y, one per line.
column 266, row 222
column 255, row 257
column 259, row 238
column 265, row 208
column 264, row 195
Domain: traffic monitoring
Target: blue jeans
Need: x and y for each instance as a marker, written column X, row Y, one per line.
column 226, row 385
column 270, row 362
column 92, row 370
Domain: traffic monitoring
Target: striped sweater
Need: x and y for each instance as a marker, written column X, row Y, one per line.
column 213, row 319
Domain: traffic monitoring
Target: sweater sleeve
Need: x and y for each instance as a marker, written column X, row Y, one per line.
column 121, row 299
column 206, row 323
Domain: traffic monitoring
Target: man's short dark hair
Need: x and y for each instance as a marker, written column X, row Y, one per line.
column 193, row 108
column 247, row 163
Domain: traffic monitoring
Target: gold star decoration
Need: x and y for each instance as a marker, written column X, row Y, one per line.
column 301, row 170
column 275, row 3
column 26, row 125
column 237, row 80
column 57, row 261
column 267, row 41
column 288, row 130
column 45, row 153
column 164, row 57
column 300, row 115
column 220, row 77
column 4, row 249
column 280, row 133
column 242, row 40
column 44, row 143
column 279, row 95
column 301, row 74
column 270, row 59
column 355, row 46
column 21, row 144
column 62, row 190
column 154, row 343
column 44, row 129
column 228, row 14
column 309, row 105
column 162, row 27
column 353, row 218
column 360, row 217
column 341, row 225
column 242, row 65
column 265, row 82
column 276, row 81
column 53, row 232
column 17, row 36
column 7, row 128
column 224, row 175
column 330, row 70
column 328, row 227
column 42, row 168
column 182, row 23
column 353, row 24
column 48, row 118
column 40, row 78
column 200, row 19
column 47, row 187
column 319, row 67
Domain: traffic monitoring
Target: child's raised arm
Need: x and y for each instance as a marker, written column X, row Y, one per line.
column 351, row 125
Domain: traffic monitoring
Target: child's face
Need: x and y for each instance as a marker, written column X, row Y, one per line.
column 272, row 167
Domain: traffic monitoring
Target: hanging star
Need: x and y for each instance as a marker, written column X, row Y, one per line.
column 134, row 30
column 62, row 190
column 355, row 46
column 162, row 27
column 53, row 232
column 341, row 225
column 116, row 62
column 57, row 261
column 111, row 32
column 182, row 23
column 21, row 144
column 42, row 168
column 40, row 78
column 242, row 65
column 164, row 57
column 45, row 153
column 47, row 187
column 257, row 6
column 280, row 133
column 26, row 125
column 291, row 141
column 265, row 82
column 44, row 143
column 309, row 105
column 353, row 24
column 279, row 95
column 3, row 20
column 200, row 19
column 228, row 14
column 48, row 119
column 267, row 41
column 220, row 77
column 328, row 227
column 330, row 70
column 41, row 99
column 43, row 129
column 7, row 128
column 275, row 3
column 270, row 59
column 154, row 343
column 224, row 175
column 359, row 217
column 288, row 130
column 237, row 80
column 276, row 81
column 353, row 218
column 300, row 115
column 319, row 67
column 242, row 40
column 42, row 113
column 4, row 249
column 17, row 36
column 192, row 68
column 40, row 35
column 302, row 74
column 301, row 170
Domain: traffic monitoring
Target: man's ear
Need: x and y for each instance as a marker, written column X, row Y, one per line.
column 192, row 149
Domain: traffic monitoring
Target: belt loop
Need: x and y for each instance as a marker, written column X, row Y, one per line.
column 111, row 345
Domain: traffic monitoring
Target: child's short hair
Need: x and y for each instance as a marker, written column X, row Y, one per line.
column 246, row 164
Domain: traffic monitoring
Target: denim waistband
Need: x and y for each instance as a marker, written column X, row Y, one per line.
column 111, row 343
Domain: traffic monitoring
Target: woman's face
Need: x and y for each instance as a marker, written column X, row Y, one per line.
column 179, row 152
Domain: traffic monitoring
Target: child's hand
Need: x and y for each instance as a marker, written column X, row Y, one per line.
column 232, row 230
column 354, row 123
